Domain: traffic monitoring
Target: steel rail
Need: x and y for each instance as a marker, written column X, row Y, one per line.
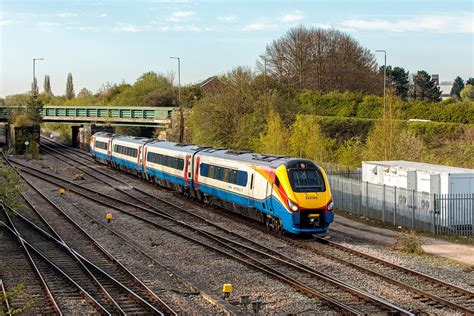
column 45, row 286
column 367, row 270
column 84, row 260
column 348, row 288
column 134, row 278
column 26, row 245
column 5, row 298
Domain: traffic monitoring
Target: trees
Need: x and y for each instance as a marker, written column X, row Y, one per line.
column 274, row 140
column 468, row 92
column 233, row 118
column 84, row 93
column 150, row 89
column 424, row 88
column 322, row 60
column 398, row 79
column 470, row 81
column 69, row 87
column 458, row 85
column 307, row 140
column 47, row 85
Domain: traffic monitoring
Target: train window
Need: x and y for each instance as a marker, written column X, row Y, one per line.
column 218, row 174
column 242, row 178
column 180, row 164
column 163, row 160
column 226, row 175
column 211, row 171
column 204, row 169
column 233, row 177
column 101, row 145
column 277, row 181
column 306, row 180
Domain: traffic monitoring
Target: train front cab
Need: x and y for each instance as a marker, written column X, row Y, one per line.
column 301, row 198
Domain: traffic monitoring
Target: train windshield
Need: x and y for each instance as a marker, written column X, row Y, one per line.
column 306, row 180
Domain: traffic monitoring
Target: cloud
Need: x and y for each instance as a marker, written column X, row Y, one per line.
column 47, row 26
column 130, row 28
column 292, row 17
column 183, row 28
column 462, row 23
column 178, row 16
column 103, row 15
column 227, row 18
column 5, row 22
column 67, row 14
column 259, row 26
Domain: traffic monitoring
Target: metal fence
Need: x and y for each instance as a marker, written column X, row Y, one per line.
column 451, row 214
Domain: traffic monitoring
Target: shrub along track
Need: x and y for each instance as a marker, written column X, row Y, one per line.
column 335, row 293
column 429, row 290
column 102, row 278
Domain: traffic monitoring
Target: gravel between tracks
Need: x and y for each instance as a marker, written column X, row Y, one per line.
column 206, row 268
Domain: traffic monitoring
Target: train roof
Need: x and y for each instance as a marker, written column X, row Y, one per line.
column 132, row 139
column 246, row 156
column 104, row 134
column 173, row 146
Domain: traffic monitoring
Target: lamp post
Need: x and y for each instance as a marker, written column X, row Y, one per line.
column 34, row 75
column 384, row 79
column 181, row 119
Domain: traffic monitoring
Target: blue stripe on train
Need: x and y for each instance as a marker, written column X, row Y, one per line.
column 289, row 220
column 166, row 176
column 125, row 163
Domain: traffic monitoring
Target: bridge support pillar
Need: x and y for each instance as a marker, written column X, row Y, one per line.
column 18, row 135
column 80, row 136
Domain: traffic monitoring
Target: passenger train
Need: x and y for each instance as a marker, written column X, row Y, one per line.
column 286, row 194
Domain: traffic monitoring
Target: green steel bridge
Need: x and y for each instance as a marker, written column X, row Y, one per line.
column 104, row 115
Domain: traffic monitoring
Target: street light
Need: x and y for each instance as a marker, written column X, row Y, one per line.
column 384, row 79
column 34, row 75
column 181, row 121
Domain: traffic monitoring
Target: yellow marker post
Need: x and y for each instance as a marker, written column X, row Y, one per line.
column 108, row 216
column 61, row 191
column 227, row 290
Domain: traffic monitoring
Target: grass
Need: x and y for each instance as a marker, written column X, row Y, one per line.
column 409, row 242
column 463, row 240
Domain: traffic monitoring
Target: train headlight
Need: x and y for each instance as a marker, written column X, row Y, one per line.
column 331, row 206
column 293, row 206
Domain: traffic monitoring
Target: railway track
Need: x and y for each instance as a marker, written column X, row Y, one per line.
column 427, row 289
column 36, row 297
column 118, row 290
column 337, row 294
column 66, row 296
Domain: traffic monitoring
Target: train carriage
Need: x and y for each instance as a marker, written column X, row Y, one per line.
column 127, row 153
column 100, row 146
column 169, row 164
column 286, row 194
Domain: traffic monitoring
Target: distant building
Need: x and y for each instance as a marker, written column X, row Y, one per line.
column 212, row 85
column 444, row 87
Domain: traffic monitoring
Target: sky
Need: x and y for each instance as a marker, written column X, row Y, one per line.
column 101, row 41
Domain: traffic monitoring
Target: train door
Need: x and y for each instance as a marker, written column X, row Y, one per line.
column 269, row 197
column 250, row 192
column 139, row 159
column 109, row 150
